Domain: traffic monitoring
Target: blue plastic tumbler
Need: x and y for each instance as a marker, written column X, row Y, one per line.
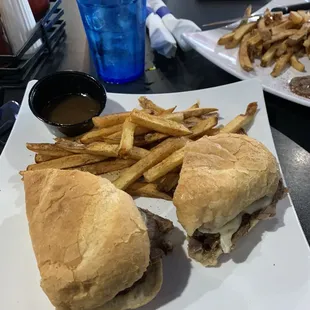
column 115, row 31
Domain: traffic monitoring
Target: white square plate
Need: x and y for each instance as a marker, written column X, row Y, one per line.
column 269, row 270
column 205, row 43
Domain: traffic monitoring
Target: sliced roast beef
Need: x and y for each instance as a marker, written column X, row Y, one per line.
column 205, row 243
column 157, row 228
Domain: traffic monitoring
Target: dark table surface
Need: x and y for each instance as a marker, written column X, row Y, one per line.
column 189, row 71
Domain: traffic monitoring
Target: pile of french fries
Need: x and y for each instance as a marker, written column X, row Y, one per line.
column 140, row 151
column 274, row 38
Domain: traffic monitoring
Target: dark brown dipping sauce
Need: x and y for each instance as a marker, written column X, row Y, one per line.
column 301, row 86
column 71, row 109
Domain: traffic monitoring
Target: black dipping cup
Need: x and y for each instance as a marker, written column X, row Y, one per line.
column 66, row 83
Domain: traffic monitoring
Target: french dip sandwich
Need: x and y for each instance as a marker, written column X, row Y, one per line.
column 228, row 183
column 94, row 248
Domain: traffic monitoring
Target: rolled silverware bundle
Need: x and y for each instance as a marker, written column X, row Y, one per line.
column 176, row 26
column 161, row 39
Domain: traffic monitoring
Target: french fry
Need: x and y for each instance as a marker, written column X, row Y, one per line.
column 203, row 127
column 239, row 33
column 299, row 35
column 255, row 40
column 165, row 166
column 106, row 166
column 226, row 38
column 74, row 139
column 113, row 175
column 244, row 59
column 195, row 105
column 296, row 64
column 308, row 51
column 295, row 17
column 306, row 44
column 281, row 63
column 116, row 135
column 248, row 11
column 241, row 131
column 163, row 150
column 153, row 137
column 112, row 140
column 102, row 149
column 264, row 32
column 146, row 190
column 246, row 15
column 96, row 135
column 305, row 15
column 191, row 121
column 281, row 49
column 168, row 111
column 71, row 146
column 158, row 124
column 281, row 36
column 213, row 131
column 176, row 117
column 288, row 24
column 198, row 112
column 47, row 149
column 258, row 50
column 277, row 16
column 115, row 138
column 39, row 158
column 67, row 162
column 110, row 120
column 168, row 182
column 141, row 131
column 269, row 54
column 241, row 120
column 205, row 116
column 145, row 103
column 137, row 153
column 95, row 148
column 140, row 141
column 127, row 139
column 268, row 17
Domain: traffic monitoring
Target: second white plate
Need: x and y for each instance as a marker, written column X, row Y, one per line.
column 205, row 43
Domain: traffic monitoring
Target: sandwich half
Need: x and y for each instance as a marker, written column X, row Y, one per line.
column 94, row 248
column 228, row 183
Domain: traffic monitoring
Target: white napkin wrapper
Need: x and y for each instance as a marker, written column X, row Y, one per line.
column 176, row 26
column 161, row 39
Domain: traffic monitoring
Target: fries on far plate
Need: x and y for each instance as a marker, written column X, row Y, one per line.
column 140, row 151
column 270, row 39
